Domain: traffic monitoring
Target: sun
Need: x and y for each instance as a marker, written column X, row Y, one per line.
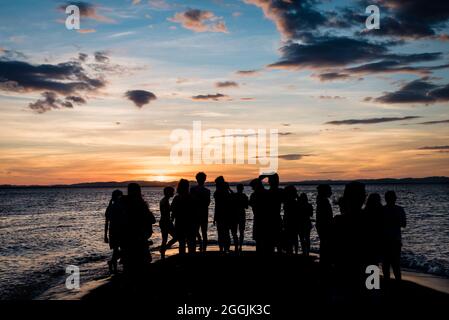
column 159, row 178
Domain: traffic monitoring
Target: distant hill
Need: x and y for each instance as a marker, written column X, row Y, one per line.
column 123, row 184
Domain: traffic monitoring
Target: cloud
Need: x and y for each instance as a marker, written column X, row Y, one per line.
column 417, row 91
column 199, row 21
column 50, row 101
column 101, row 56
column 331, row 76
column 434, row 148
column 87, row 10
column 370, row 120
column 434, row 122
column 247, row 72
column 327, row 52
column 293, row 17
column 226, row 84
column 411, row 19
column 82, row 56
column 292, row 156
column 140, row 97
column 205, row 97
column 331, row 97
column 85, row 31
column 64, row 78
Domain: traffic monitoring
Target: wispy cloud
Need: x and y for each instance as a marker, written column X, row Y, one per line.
column 200, row 21
column 371, row 120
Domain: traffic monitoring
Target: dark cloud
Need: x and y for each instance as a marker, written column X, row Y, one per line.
column 51, row 101
column 140, row 97
column 370, row 120
column 411, row 19
column 87, row 10
column 327, row 52
column 64, row 78
column 434, row 148
column 417, row 91
column 200, row 21
column 247, row 72
column 226, row 84
column 292, row 18
column 82, row 57
column 434, row 122
column 101, row 56
column 205, row 97
column 331, row 76
column 292, row 156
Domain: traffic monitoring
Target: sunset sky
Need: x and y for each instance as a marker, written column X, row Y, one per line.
column 100, row 103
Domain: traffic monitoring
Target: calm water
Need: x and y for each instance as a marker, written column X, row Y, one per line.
column 44, row 230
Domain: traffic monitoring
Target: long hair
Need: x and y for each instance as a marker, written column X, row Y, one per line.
column 183, row 187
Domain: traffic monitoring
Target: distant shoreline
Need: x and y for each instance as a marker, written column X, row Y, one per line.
column 124, row 184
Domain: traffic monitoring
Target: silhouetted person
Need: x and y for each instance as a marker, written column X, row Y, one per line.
column 274, row 220
column 291, row 219
column 261, row 225
column 137, row 230
column 373, row 213
column 350, row 245
column 201, row 200
column 324, row 217
column 112, row 228
column 394, row 220
column 222, row 216
column 240, row 204
column 165, row 223
column 183, row 215
column 305, row 225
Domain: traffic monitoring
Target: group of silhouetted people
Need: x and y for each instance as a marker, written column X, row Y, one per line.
column 364, row 233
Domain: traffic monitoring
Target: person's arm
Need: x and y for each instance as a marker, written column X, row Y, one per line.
column 403, row 219
column 106, row 225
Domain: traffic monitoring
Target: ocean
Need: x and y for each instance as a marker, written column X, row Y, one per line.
column 42, row 231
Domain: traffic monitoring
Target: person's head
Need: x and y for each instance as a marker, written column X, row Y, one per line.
column 134, row 191
column 273, row 180
column 256, row 184
column 390, row 197
column 201, row 178
column 290, row 192
column 169, row 192
column 324, row 190
column 354, row 196
column 303, row 198
column 116, row 194
column 183, row 186
column 373, row 201
column 220, row 182
column 240, row 188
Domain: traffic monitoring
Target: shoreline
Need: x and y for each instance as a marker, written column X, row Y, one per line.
column 429, row 281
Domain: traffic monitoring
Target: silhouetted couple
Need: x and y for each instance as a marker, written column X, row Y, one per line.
column 229, row 215
column 128, row 228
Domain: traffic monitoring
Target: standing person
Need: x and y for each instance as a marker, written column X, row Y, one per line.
column 324, row 216
column 112, row 225
column 240, row 202
column 373, row 219
column 138, row 221
column 291, row 219
column 222, row 198
column 201, row 200
column 394, row 220
column 258, row 203
column 184, row 217
column 274, row 220
column 165, row 222
column 305, row 225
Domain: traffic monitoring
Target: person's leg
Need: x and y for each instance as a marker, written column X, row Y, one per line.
column 396, row 262
column 172, row 233
column 235, row 237
column 307, row 242
column 114, row 259
column 386, row 262
column 164, row 234
column 241, row 234
column 203, row 227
